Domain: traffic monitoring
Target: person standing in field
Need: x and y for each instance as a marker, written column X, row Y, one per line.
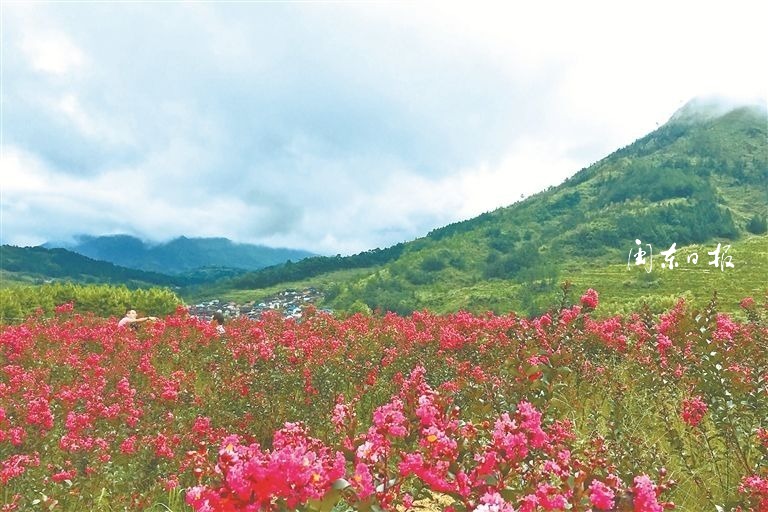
column 218, row 320
column 131, row 319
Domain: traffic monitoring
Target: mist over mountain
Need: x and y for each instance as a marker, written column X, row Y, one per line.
column 707, row 108
column 180, row 255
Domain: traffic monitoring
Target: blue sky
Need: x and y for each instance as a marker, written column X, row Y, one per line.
column 334, row 126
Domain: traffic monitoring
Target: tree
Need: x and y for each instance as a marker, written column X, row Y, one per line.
column 758, row 224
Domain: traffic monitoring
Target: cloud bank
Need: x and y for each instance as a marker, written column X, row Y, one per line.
column 332, row 127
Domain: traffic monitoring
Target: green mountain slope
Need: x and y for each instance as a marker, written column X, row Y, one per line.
column 34, row 265
column 702, row 178
column 180, row 255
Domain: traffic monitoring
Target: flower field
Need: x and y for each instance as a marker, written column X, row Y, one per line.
column 458, row 412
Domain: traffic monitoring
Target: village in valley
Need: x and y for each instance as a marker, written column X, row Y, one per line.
column 290, row 303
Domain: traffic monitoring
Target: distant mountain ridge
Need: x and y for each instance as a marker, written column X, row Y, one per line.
column 34, row 265
column 180, row 255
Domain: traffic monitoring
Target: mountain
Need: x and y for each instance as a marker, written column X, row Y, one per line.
column 181, row 255
column 38, row 264
column 699, row 180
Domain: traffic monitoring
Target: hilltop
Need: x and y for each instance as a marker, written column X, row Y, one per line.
column 699, row 179
column 180, row 255
column 35, row 265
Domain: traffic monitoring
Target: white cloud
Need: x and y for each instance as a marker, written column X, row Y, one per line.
column 337, row 127
column 52, row 52
column 70, row 106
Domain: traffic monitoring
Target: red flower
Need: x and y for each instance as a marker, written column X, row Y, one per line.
column 693, row 410
column 589, row 299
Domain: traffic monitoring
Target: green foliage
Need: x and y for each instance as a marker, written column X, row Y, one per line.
column 517, row 258
column 186, row 390
column 20, row 302
column 758, row 224
column 643, row 181
column 314, row 266
column 38, row 264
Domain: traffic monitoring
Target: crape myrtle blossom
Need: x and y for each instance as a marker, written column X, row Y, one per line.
column 693, row 410
column 393, row 407
column 601, row 496
column 589, row 299
column 756, row 490
column 493, row 502
column 297, row 469
column 645, row 495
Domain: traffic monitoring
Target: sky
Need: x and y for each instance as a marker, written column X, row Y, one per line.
column 336, row 127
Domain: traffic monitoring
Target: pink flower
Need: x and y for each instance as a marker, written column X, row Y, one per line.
column 549, row 499
column 693, row 410
column 589, row 299
column 426, row 411
column 488, row 463
column 64, row 475
column 508, row 439
column 15, row 466
column 726, row 329
column 65, row 308
column 39, row 413
column 663, row 343
column 202, row 425
column 202, row 499
column 645, row 495
column 569, row 315
column 298, row 469
column 601, row 496
column 544, row 320
column 762, row 436
column 757, row 490
column 438, row 444
column 128, row 446
column 362, row 481
column 531, row 421
column 747, row 303
column 342, row 415
column 17, row 435
column 390, row 420
column 493, row 502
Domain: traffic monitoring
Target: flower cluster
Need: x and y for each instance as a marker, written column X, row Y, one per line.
column 483, row 412
column 589, row 299
column 693, row 410
column 297, row 469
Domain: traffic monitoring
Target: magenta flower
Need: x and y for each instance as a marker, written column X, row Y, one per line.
column 589, row 299
column 693, row 410
column 644, row 491
column 493, row 502
column 601, row 496
column 390, row 420
column 362, row 481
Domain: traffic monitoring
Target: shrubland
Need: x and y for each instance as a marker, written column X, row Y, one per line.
column 474, row 412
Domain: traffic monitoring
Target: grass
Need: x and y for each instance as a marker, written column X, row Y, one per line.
column 623, row 290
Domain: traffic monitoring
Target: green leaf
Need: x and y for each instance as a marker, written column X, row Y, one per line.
column 340, row 484
column 326, row 504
